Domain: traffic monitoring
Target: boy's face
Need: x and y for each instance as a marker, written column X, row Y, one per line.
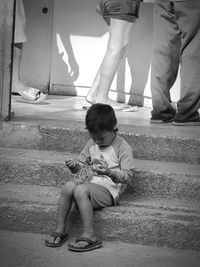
column 103, row 139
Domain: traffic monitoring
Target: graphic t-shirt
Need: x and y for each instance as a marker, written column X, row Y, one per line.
column 118, row 156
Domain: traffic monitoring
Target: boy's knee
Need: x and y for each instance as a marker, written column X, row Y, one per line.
column 80, row 192
column 68, row 188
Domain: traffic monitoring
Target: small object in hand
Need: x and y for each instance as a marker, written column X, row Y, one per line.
column 84, row 175
column 73, row 165
column 102, row 163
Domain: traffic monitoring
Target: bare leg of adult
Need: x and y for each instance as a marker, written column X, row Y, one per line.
column 64, row 207
column 17, row 85
column 30, row 94
column 92, row 95
column 27, row 93
column 119, row 36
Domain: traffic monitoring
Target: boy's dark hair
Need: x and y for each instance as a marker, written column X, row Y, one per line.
column 99, row 118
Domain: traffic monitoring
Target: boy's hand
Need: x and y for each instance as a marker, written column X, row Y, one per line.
column 101, row 169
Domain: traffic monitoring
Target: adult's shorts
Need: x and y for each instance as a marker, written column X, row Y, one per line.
column 20, row 23
column 127, row 10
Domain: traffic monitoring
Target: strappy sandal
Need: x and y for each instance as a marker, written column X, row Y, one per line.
column 63, row 239
column 91, row 245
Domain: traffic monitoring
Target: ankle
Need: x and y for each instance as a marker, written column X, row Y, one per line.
column 60, row 229
column 89, row 233
column 90, row 99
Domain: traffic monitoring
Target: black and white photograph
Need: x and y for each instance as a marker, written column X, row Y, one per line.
column 100, row 133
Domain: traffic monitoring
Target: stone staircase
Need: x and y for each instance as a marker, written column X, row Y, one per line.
column 160, row 208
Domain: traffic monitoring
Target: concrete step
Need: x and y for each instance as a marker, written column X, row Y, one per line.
column 151, row 178
column 147, row 221
column 162, row 143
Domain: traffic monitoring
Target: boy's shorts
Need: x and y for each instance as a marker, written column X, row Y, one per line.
column 99, row 195
column 127, row 10
column 20, row 23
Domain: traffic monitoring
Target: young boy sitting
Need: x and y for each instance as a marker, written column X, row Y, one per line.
column 102, row 172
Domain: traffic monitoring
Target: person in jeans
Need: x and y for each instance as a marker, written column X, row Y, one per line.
column 176, row 42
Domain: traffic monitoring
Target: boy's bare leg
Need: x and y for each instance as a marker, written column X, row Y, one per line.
column 64, row 207
column 119, row 36
column 81, row 195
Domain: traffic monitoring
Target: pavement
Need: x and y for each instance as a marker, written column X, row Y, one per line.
column 19, row 249
column 62, row 109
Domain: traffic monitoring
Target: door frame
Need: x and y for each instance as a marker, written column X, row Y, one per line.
column 7, row 13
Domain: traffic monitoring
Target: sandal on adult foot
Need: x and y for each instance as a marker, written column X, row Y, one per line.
column 33, row 95
column 89, row 246
column 128, row 108
column 63, row 239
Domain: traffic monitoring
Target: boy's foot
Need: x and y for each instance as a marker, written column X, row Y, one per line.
column 83, row 244
column 56, row 239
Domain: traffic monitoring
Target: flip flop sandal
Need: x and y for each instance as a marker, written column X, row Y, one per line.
column 91, row 245
column 63, row 239
column 33, row 95
column 128, row 108
column 86, row 107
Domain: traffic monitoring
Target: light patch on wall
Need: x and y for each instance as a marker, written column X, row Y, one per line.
column 89, row 52
column 175, row 91
column 147, row 89
column 128, row 78
column 62, row 51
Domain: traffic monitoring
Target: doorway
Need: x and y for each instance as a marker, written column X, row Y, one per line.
column 36, row 56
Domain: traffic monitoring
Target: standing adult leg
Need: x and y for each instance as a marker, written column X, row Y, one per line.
column 165, row 61
column 19, row 39
column 17, row 85
column 119, row 36
column 28, row 93
column 188, row 18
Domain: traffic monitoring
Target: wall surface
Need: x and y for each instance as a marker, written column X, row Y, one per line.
column 36, row 58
